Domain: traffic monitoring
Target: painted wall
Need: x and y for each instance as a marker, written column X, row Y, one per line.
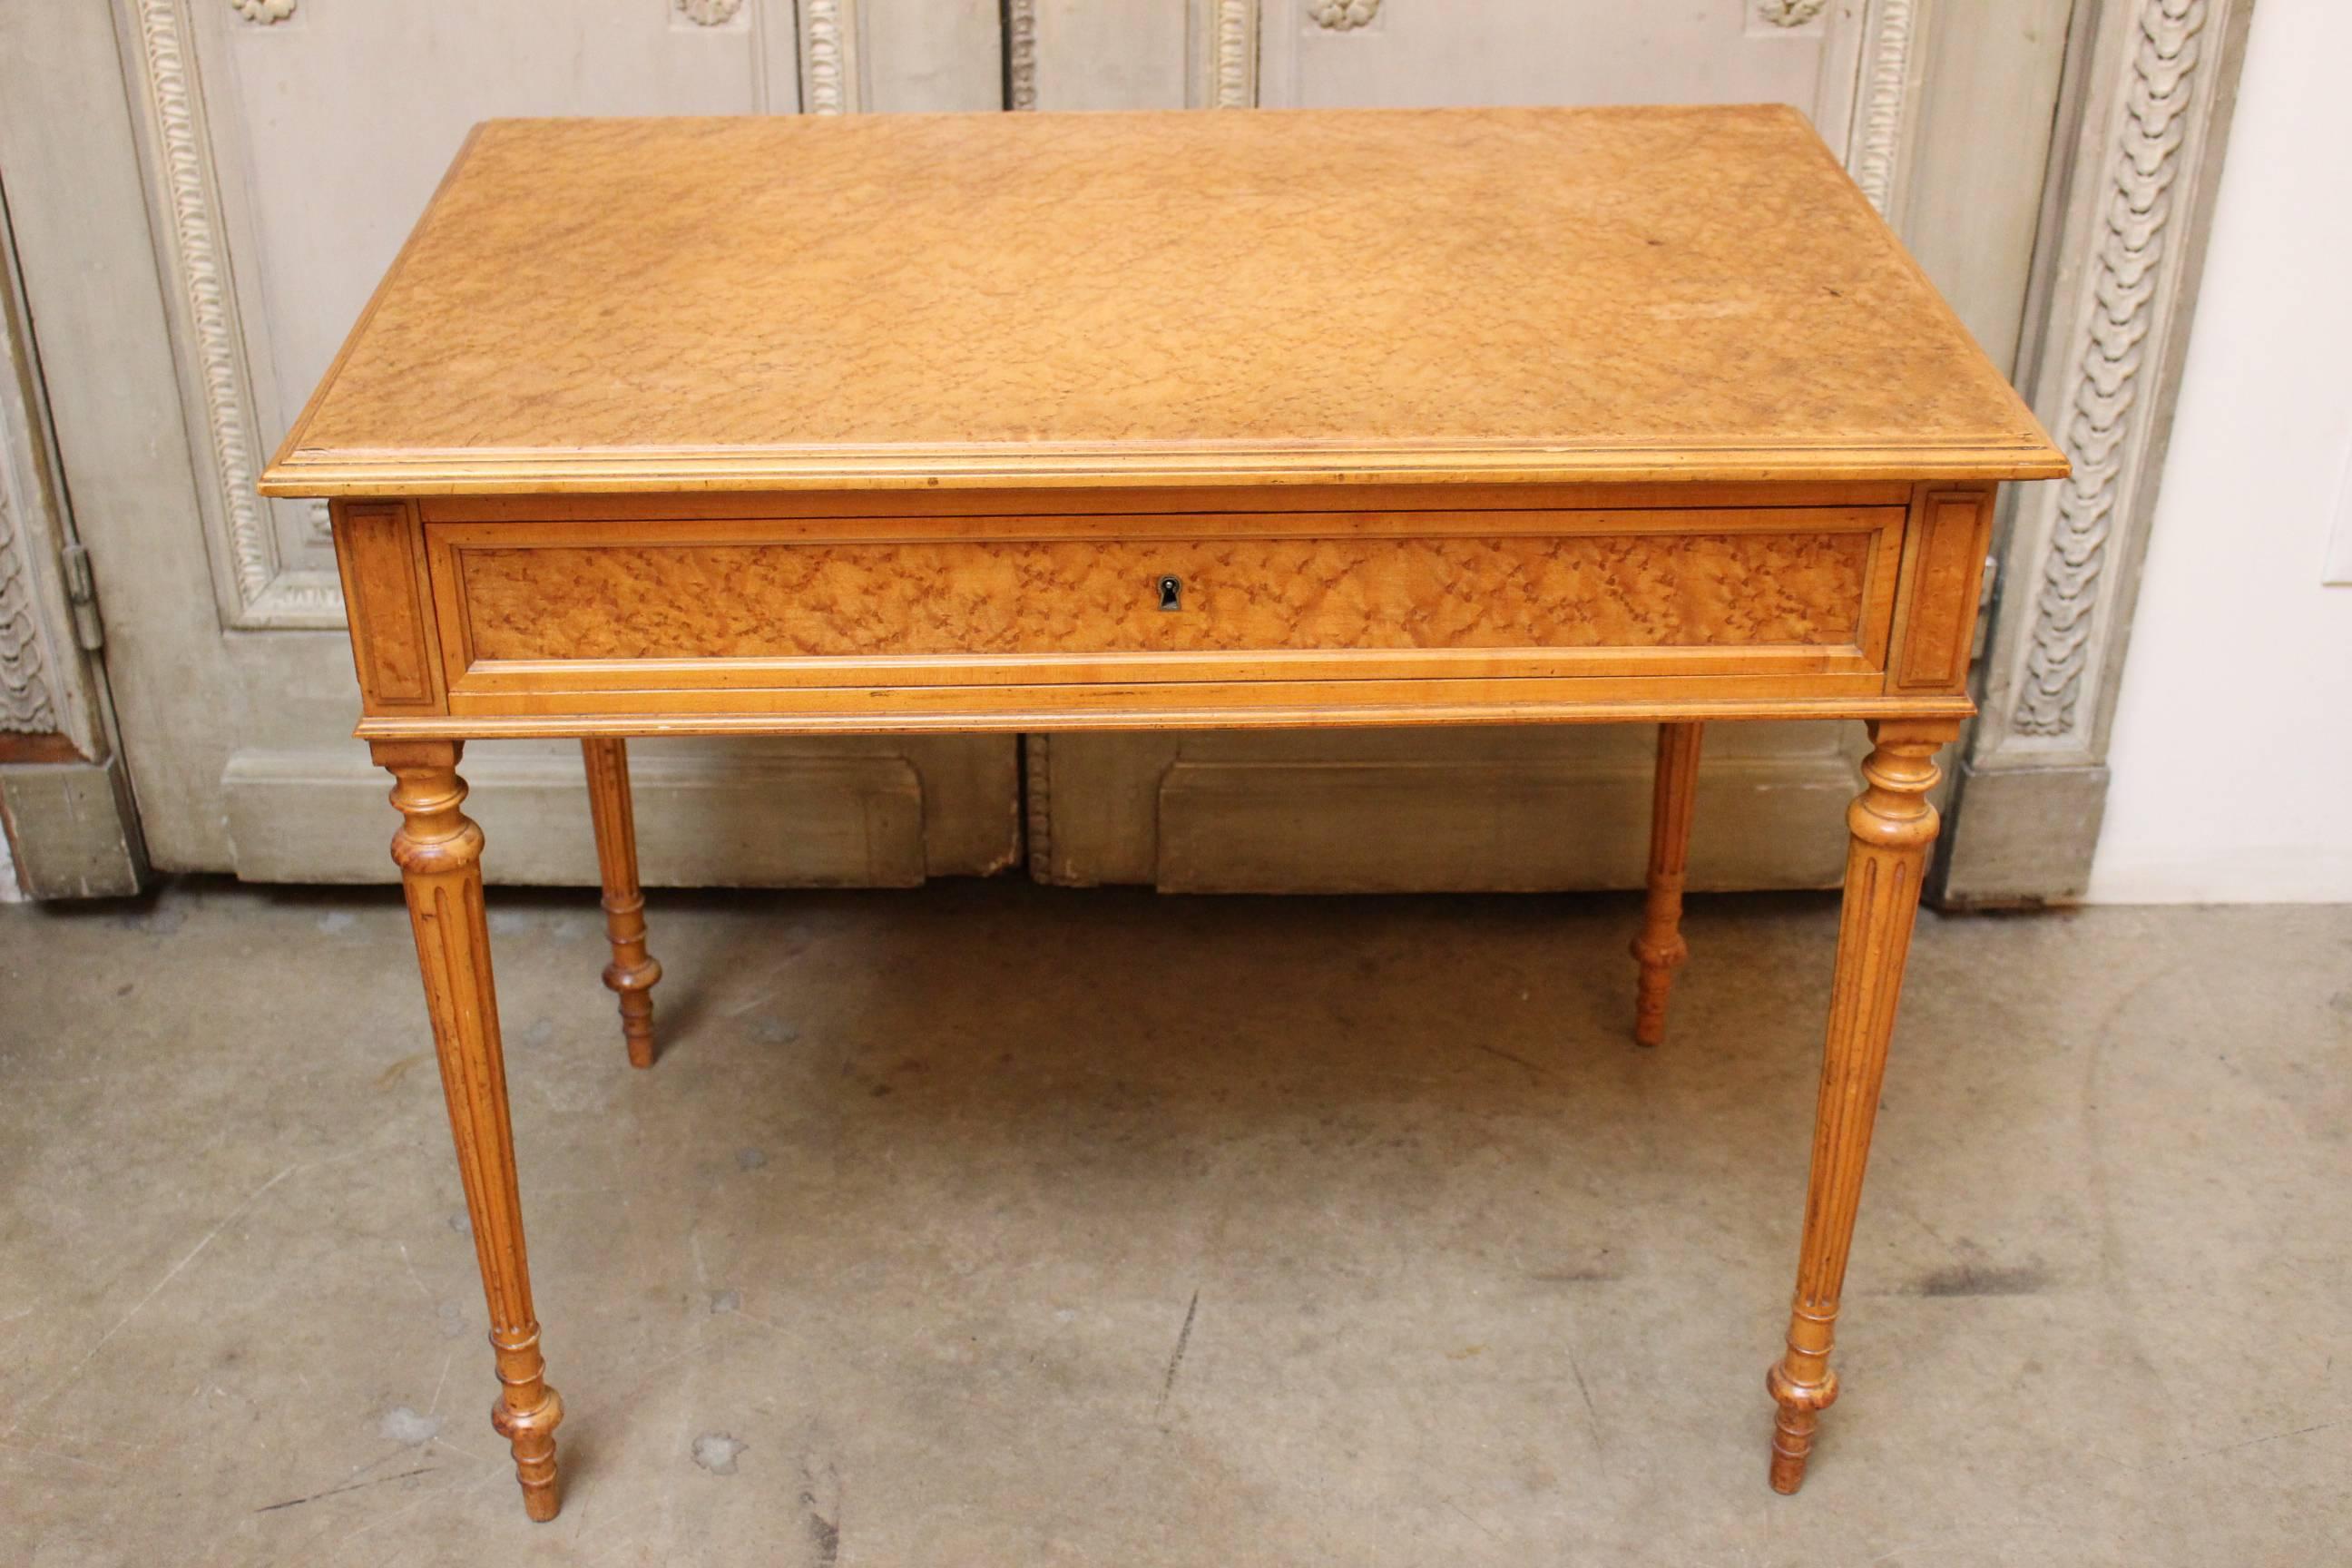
column 2232, row 746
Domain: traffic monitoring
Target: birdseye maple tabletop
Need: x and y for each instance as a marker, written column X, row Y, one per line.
column 739, row 303
column 1035, row 422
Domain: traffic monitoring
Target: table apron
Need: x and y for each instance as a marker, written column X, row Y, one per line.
column 1173, row 618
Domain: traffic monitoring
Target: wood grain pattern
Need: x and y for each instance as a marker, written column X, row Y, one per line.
column 1027, row 597
column 1893, row 826
column 1607, row 293
column 1660, row 948
column 393, row 644
column 1407, row 515
column 633, row 972
column 439, row 852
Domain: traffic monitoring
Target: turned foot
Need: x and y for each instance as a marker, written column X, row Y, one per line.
column 526, row 1414
column 1801, row 1408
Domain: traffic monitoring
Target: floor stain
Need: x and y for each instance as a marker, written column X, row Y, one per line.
column 338, row 1492
column 823, row 1534
column 718, row 1451
column 1983, row 1279
column 1593, row 1273
column 767, row 1029
column 1176, row 1359
column 402, row 1425
column 401, row 1068
column 1508, row 1057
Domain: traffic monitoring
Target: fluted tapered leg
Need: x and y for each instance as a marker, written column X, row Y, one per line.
column 439, row 852
column 1893, row 826
column 1660, row 948
column 633, row 972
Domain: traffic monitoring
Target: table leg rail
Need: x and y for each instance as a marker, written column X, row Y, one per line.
column 1660, row 948
column 633, row 972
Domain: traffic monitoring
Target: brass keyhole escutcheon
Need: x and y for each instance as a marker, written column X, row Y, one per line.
column 1172, row 593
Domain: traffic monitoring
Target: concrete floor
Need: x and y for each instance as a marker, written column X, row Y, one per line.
column 987, row 1225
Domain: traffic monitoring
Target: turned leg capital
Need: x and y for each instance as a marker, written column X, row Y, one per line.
column 1893, row 811
column 435, row 835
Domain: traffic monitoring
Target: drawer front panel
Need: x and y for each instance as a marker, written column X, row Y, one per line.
column 604, row 593
column 784, row 600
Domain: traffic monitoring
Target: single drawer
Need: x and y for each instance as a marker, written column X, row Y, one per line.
column 1171, row 596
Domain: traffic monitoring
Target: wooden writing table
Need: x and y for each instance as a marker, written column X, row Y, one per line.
column 1051, row 422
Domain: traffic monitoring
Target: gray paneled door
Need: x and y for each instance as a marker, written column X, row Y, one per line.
column 238, row 172
column 205, row 192
column 1896, row 86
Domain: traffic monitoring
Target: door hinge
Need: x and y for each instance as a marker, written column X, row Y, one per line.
column 82, row 592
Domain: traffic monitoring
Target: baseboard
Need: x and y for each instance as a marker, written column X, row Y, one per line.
column 2020, row 836
column 72, row 829
column 704, row 818
column 1489, row 825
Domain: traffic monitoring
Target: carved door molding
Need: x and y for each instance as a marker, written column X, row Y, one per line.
column 263, row 578
column 2128, row 213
